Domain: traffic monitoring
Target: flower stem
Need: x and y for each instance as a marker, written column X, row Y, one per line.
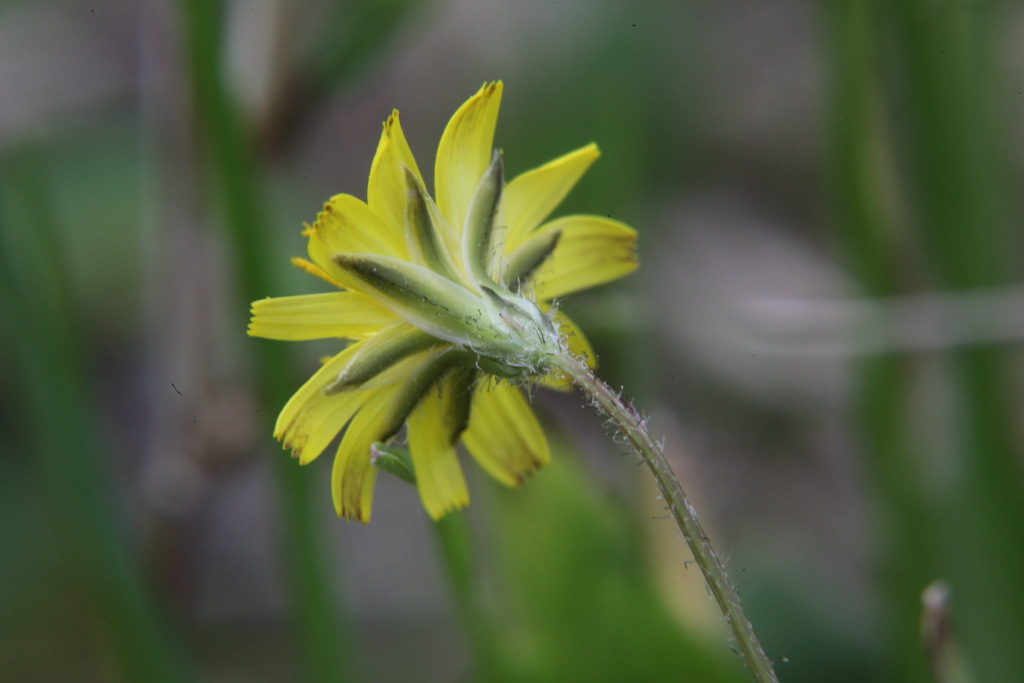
column 633, row 426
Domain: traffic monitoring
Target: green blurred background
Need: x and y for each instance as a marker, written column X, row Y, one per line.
column 826, row 327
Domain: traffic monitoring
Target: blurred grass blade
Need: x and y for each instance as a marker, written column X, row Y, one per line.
column 940, row 84
column 454, row 542
column 908, row 558
column 233, row 170
column 354, row 34
column 47, row 343
column 956, row 157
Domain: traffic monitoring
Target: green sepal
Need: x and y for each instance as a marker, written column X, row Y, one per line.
column 499, row 369
column 520, row 314
column 393, row 460
column 527, row 258
column 478, row 234
column 419, row 381
column 461, row 385
column 530, row 338
column 421, row 297
column 422, row 232
column 398, row 461
column 380, row 352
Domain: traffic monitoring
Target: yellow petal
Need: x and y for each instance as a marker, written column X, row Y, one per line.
column 465, row 152
column 592, row 250
column 503, row 435
column 432, row 435
column 312, row 416
column 529, row 198
column 348, row 225
column 381, row 416
column 315, row 270
column 352, row 476
column 320, row 422
column 386, row 191
column 347, row 315
column 310, row 419
column 578, row 346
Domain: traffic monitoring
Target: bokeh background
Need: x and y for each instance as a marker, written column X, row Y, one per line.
column 826, row 327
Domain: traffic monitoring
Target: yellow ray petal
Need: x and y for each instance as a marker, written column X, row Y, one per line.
column 318, row 316
column 530, row 197
column 327, row 373
column 352, row 476
column 433, row 433
column 381, row 416
column 386, row 190
column 465, row 152
column 578, row 343
column 592, row 250
column 578, row 346
column 503, row 435
column 312, row 407
column 348, row 225
column 309, row 415
column 320, row 422
column 315, row 270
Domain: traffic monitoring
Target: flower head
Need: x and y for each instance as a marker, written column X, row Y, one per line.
column 447, row 305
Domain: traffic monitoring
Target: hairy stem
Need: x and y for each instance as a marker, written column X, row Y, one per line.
column 633, row 426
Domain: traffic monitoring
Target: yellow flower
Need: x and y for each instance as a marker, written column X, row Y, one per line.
column 446, row 302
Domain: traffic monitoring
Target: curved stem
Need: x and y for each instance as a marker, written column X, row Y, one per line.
column 634, row 427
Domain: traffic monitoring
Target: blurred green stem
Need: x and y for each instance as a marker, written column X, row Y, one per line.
column 956, row 156
column 633, row 427
column 41, row 322
column 932, row 58
column 904, row 528
column 230, row 157
column 454, row 541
